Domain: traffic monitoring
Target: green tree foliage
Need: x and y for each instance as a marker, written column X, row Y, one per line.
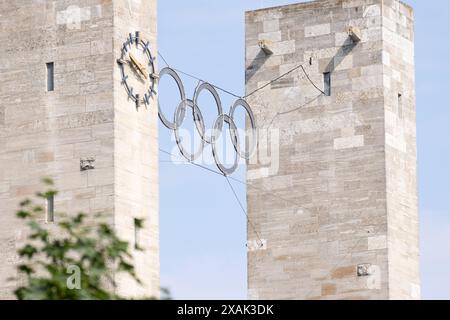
column 73, row 261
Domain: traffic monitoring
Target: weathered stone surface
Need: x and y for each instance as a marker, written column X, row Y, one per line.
column 340, row 191
column 46, row 134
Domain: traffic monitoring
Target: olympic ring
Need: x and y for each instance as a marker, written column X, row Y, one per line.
column 243, row 103
column 212, row 90
column 182, row 108
column 180, row 113
column 234, row 138
column 170, row 72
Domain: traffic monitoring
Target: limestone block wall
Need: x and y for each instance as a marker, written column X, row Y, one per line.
column 318, row 188
column 136, row 153
column 46, row 134
column 401, row 153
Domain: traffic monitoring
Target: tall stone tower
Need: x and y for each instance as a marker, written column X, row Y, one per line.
column 65, row 114
column 336, row 205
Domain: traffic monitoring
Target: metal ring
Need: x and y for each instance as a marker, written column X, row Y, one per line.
column 179, row 114
column 218, row 125
column 241, row 102
column 200, row 126
column 174, row 75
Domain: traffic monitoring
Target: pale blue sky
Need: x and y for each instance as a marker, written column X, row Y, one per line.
column 203, row 253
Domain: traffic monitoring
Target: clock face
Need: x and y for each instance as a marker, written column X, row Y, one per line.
column 137, row 69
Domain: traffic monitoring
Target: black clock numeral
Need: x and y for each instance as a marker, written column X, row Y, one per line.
column 146, row 99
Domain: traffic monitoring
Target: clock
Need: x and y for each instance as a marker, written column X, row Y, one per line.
column 137, row 69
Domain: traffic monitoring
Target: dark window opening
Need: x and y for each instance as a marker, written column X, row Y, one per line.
column 137, row 227
column 50, row 209
column 50, row 77
column 327, row 83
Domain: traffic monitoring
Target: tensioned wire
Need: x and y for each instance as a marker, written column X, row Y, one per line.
column 300, row 66
column 231, row 187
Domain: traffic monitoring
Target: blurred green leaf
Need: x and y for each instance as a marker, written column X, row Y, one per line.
column 94, row 250
column 28, row 251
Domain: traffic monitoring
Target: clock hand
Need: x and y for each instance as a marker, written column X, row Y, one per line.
column 135, row 62
column 138, row 65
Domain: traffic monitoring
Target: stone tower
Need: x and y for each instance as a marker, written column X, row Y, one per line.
column 65, row 114
column 336, row 205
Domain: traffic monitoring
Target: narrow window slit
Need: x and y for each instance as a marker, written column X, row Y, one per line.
column 50, row 77
column 137, row 227
column 50, row 209
column 327, row 83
